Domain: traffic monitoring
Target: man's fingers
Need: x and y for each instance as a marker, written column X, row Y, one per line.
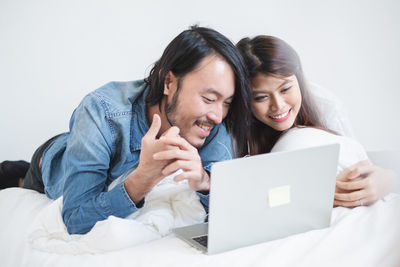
column 176, row 165
column 171, row 132
column 172, row 154
column 352, row 185
column 185, row 176
column 177, row 141
column 154, row 127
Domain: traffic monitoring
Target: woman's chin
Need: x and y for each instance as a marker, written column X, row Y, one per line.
column 281, row 126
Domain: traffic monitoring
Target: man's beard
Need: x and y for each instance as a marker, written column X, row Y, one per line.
column 170, row 110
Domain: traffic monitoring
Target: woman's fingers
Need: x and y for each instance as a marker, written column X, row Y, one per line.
column 353, row 196
column 352, row 185
column 352, row 204
column 353, row 171
column 354, row 199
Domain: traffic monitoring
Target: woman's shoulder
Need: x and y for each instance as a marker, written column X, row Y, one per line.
column 351, row 151
column 303, row 137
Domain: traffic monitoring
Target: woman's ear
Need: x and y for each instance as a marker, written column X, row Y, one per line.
column 170, row 83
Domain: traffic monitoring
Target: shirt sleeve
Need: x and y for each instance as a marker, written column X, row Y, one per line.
column 204, row 200
column 87, row 161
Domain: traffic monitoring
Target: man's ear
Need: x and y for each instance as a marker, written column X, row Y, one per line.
column 170, row 83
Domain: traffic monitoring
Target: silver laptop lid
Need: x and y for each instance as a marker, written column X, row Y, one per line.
column 270, row 196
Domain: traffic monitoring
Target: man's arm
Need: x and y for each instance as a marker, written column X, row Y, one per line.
column 88, row 155
column 149, row 171
column 86, row 164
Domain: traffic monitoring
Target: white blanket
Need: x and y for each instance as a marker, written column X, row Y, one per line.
column 363, row 236
column 167, row 206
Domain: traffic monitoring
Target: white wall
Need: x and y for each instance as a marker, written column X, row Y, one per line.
column 52, row 53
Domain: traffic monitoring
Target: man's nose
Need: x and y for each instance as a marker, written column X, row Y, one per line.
column 216, row 114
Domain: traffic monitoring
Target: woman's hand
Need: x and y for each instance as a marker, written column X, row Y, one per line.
column 362, row 184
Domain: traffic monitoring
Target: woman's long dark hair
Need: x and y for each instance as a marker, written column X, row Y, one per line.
column 272, row 56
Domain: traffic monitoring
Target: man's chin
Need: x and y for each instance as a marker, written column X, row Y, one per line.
column 196, row 142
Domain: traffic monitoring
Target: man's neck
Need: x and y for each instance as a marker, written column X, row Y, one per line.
column 157, row 109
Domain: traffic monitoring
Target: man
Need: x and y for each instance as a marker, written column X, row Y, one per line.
column 146, row 130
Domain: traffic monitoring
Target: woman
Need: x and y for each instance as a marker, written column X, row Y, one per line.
column 285, row 118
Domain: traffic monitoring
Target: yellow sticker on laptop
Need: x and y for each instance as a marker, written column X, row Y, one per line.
column 278, row 196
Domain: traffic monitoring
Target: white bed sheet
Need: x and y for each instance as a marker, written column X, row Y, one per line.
column 363, row 236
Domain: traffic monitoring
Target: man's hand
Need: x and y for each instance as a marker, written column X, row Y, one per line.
column 149, row 171
column 362, row 184
column 186, row 158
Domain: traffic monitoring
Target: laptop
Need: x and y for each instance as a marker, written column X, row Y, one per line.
column 266, row 197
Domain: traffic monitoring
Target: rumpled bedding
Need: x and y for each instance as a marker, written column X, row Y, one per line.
column 167, row 206
column 363, row 236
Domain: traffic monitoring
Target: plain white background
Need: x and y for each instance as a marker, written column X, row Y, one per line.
column 52, row 53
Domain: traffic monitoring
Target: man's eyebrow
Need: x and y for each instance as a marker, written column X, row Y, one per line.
column 215, row 92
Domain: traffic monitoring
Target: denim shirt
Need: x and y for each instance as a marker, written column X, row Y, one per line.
column 104, row 143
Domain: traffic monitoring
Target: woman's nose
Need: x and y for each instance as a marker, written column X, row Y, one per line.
column 277, row 103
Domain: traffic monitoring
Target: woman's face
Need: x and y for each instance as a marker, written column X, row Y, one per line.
column 276, row 100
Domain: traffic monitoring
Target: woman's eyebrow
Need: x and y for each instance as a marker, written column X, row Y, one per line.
column 286, row 81
column 257, row 91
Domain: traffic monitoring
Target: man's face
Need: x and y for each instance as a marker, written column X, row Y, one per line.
column 202, row 99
